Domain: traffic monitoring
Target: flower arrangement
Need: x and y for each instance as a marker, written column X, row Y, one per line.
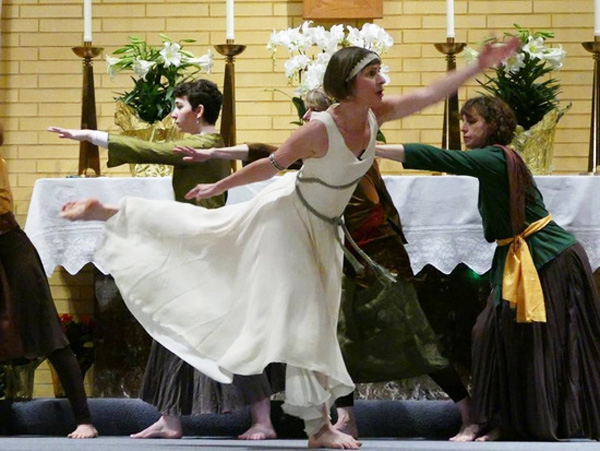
column 310, row 49
column 524, row 80
column 157, row 72
column 81, row 338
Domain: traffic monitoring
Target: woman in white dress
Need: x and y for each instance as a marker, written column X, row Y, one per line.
column 231, row 290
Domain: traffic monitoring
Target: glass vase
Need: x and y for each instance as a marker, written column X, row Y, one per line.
column 19, row 379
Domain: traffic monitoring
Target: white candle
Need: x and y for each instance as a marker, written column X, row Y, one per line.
column 87, row 20
column 450, row 18
column 596, row 17
column 230, row 34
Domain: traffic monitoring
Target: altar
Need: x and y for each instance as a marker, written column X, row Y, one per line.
column 439, row 216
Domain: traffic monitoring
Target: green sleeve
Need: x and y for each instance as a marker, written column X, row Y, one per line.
column 126, row 149
column 476, row 162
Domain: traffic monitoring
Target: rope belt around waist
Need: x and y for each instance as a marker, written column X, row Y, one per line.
column 521, row 285
column 382, row 273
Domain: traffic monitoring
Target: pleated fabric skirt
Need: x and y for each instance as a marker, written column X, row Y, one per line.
column 29, row 325
column 541, row 381
column 177, row 388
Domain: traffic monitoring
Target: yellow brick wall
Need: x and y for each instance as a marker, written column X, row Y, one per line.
column 40, row 78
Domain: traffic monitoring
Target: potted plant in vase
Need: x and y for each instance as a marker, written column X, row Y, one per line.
column 526, row 84
column 145, row 110
column 310, row 49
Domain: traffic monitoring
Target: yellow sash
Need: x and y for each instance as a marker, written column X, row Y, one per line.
column 521, row 285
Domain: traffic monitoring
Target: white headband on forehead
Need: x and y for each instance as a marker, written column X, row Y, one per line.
column 369, row 58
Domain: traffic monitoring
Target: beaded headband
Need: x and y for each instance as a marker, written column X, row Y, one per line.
column 370, row 57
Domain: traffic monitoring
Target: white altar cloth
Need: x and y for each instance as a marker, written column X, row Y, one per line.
column 439, row 216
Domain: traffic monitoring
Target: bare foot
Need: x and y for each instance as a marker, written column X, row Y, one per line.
column 468, row 433
column 492, row 436
column 166, row 427
column 328, row 437
column 84, row 431
column 259, row 432
column 86, row 210
column 346, row 422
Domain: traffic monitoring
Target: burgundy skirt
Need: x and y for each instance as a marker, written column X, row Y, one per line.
column 541, row 381
column 29, row 323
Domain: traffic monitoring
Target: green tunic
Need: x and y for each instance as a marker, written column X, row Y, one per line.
column 488, row 165
column 127, row 149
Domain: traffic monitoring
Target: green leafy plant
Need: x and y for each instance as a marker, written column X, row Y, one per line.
column 157, row 72
column 524, row 81
column 81, row 338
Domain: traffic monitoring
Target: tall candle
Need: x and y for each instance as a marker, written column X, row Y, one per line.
column 450, row 18
column 230, row 34
column 596, row 17
column 87, row 20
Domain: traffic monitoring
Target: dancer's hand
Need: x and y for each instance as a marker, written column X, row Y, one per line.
column 191, row 154
column 204, row 191
column 68, row 133
column 493, row 52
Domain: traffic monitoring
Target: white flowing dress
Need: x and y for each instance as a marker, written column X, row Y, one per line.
column 232, row 289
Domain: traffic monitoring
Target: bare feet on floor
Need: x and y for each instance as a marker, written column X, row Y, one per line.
column 259, row 432
column 84, row 431
column 346, row 422
column 84, row 210
column 165, row 427
column 491, row 436
column 328, row 437
column 468, row 433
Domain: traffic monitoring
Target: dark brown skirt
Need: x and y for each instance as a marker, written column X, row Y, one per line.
column 176, row 388
column 26, row 302
column 541, row 381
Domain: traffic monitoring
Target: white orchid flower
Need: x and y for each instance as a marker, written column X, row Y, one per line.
column 205, row 62
column 376, row 38
column 384, row 71
column 142, row 67
column 294, row 65
column 171, row 54
column 354, row 37
column 112, row 66
column 313, row 77
column 534, row 47
column 555, row 57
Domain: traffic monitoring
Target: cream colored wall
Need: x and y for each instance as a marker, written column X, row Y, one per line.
column 40, row 78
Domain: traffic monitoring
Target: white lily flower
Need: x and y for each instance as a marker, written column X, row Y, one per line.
column 555, row 56
column 470, row 54
column 205, row 62
column 514, row 63
column 112, row 66
column 142, row 67
column 535, row 47
column 170, row 54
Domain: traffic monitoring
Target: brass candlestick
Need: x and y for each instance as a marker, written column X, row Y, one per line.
column 594, row 153
column 89, row 158
column 451, row 130
column 229, row 50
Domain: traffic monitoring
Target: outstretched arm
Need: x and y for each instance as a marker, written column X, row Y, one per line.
column 308, row 141
column 396, row 107
column 192, row 154
column 390, row 151
column 96, row 137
